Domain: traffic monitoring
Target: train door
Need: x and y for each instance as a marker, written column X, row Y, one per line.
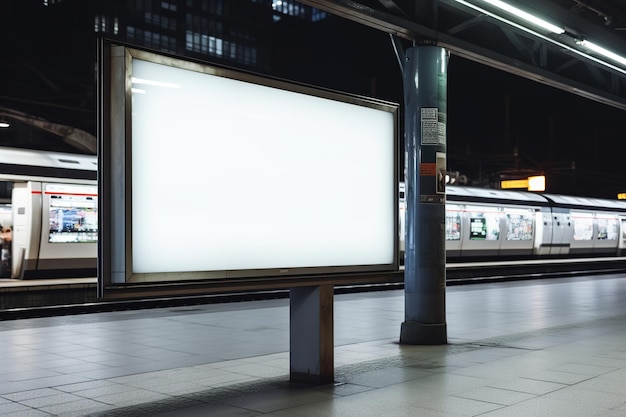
column 6, row 239
column 543, row 233
column 26, row 207
column 621, row 248
column 562, row 231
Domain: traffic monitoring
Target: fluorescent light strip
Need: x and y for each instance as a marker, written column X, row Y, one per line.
column 602, row 51
column 509, row 22
column 539, row 35
column 526, row 16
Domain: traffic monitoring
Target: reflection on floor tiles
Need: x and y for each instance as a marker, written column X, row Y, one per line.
column 514, row 349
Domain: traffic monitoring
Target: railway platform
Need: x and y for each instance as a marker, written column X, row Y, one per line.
column 25, row 297
column 549, row 347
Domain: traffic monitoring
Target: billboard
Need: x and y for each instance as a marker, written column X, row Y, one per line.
column 231, row 174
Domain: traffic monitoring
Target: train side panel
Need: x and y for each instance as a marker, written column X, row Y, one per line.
column 57, row 234
column 595, row 224
column 518, row 231
column 606, row 233
column 69, row 233
column 584, row 230
column 454, row 230
column 482, row 231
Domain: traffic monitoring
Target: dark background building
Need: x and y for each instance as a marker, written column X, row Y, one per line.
column 499, row 125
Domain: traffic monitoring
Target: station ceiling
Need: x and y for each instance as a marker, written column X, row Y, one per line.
column 47, row 80
column 50, row 85
column 477, row 33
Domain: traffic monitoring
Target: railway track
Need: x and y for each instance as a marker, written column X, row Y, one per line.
column 466, row 273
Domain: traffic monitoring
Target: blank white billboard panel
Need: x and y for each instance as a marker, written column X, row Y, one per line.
column 236, row 175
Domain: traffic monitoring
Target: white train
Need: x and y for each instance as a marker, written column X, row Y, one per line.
column 492, row 224
column 50, row 202
column 50, row 206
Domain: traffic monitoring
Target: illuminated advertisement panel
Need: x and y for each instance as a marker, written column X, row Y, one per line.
column 519, row 224
column 233, row 173
column 583, row 225
column 608, row 228
column 484, row 223
column 73, row 214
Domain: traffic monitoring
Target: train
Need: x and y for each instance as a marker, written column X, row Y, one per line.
column 48, row 214
column 49, row 205
column 492, row 224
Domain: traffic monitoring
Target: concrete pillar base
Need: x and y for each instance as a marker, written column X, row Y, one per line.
column 415, row 333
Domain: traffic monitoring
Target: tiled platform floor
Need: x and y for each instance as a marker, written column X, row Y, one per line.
column 533, row 348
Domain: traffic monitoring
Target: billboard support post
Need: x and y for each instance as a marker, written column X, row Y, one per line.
column 425, row 86
column 311, row 341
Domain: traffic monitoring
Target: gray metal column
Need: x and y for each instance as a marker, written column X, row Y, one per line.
column 425, row 85
column 311, row 334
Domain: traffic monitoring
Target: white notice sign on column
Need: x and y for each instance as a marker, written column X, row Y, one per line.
column 430, row 126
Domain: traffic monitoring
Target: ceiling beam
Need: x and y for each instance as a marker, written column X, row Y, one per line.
column 403, row 27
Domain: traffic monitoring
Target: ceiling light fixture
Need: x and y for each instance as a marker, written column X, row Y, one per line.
column 549, row 39
column 602, row 51
column 526, row 16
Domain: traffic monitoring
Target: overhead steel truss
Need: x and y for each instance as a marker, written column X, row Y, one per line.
column 553, row 59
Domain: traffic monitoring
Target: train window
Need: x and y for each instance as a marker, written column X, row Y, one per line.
column 453, row 222
column 583, row 226
column 608, row 228
column 519, row 224
column 6, row 215
column 484, row 223
column 73, row 214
